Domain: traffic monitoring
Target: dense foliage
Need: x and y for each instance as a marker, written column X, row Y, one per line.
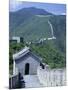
column 50, row 55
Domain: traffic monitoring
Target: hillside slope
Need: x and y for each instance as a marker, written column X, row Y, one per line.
column 18, row 17
column 59, row 27
column 33, row 29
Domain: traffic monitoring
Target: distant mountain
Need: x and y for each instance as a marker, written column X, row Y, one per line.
column 32, row 24
column 32, row 11
column 18, row 17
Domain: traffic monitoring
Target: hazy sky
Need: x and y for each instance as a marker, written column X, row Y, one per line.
column 54, row 8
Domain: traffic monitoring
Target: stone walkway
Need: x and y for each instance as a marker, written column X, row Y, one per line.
column 31, row 81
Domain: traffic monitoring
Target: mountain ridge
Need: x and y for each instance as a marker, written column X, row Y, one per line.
column 33, row 10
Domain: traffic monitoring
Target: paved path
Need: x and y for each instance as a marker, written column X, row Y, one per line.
column 32, row 81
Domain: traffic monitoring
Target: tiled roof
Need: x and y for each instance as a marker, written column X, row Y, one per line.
column 25, row 51
column 21, row 53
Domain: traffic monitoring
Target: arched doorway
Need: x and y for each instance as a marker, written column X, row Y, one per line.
column 26, row 68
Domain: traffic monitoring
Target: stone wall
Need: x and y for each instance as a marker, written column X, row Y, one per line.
column 13, row 81
column 52, row 77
